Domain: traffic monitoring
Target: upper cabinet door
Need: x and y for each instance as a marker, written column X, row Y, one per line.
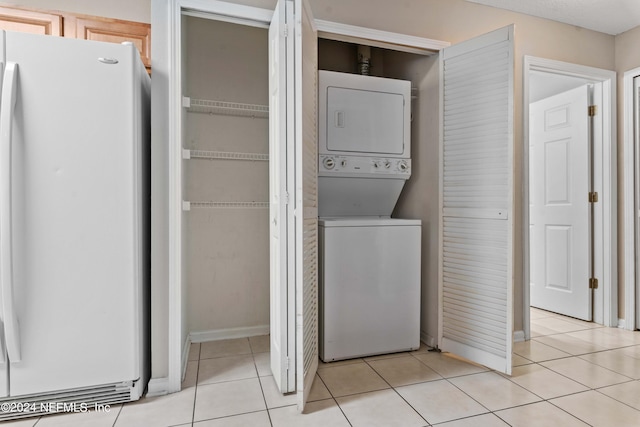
column 79, row 26
column 28, row 21
column 476, row 187
column 111, row 31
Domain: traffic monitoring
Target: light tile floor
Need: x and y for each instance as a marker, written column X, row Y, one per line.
column 572, row 373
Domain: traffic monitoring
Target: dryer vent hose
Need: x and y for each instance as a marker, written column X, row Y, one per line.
column 364, row 59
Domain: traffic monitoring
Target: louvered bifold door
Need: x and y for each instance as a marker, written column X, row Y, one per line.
column 476, row 233
column 282, row 304
column 306, row 199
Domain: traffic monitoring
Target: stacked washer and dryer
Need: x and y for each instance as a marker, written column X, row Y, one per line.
column 369, row 262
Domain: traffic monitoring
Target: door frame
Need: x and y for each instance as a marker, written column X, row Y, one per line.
column 605, row 181
column 168, row 282
column 167, row 171
column 630, row 170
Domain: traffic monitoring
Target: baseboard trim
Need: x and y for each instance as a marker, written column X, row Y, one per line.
column 223, row 334
column 518, row 336
column 185, row 356
column 427, row 339
column 158, row 387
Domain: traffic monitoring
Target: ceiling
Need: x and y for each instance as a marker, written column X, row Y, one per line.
column 607, row 16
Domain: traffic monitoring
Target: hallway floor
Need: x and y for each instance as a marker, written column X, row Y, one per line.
column 571, row 373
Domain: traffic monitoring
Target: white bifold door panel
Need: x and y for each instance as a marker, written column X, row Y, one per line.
column 559, row 182
column 294, row 196
column 306, row 198
column 476, row 224
column 282, row 310
column 636, row 103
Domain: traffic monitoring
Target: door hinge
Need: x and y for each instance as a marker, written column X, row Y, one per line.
column 288, row 363
column 593, row 283
column 286, row 198
column 593, row 110
column 285, row 31
column 593, row 197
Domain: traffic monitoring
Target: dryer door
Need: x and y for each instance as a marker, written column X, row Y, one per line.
column 363, row 121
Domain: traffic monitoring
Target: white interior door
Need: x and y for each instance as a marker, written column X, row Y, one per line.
column 559, row 211
column 306, row 197
column 476, row 178
column 281, row 304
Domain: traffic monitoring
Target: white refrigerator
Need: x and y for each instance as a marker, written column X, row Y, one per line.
column 74, row 221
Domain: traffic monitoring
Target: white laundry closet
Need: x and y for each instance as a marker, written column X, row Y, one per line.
column 218, row 246
column 226, row 170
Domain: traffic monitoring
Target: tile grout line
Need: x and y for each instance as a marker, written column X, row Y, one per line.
column 569, row 413
column 396, row 391
column 597, row 390
column 468, row 395
column 334, row 398
column 589, row 388
column 264, row 398
column 586, row 385
column 543, row 401
column 114, row 421
column 580, row 354
column 522, row 405
column 195, row 392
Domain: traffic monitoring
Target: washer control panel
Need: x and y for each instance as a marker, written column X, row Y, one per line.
column 347, row 165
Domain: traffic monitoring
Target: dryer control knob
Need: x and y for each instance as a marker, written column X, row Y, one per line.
column 387, row 164
column 403, row 166
column 343, row 163
column 329, row 163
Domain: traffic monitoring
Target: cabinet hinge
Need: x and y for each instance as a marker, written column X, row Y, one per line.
column 593, row 197
column 593, row 109
column 593, row 283
column 285, row 31
column 286, row 198
column 288, row 363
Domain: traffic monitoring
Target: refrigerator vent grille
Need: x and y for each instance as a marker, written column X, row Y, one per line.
column 65, row 401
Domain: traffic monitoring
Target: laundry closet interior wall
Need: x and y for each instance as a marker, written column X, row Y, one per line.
column 226, row 179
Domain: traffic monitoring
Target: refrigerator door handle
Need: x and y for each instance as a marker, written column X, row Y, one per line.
column 7, row 107
column 3, row 351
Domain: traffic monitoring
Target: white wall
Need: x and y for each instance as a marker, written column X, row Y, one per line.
column 543, row 85
column 419, row 198
column 129, row 10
